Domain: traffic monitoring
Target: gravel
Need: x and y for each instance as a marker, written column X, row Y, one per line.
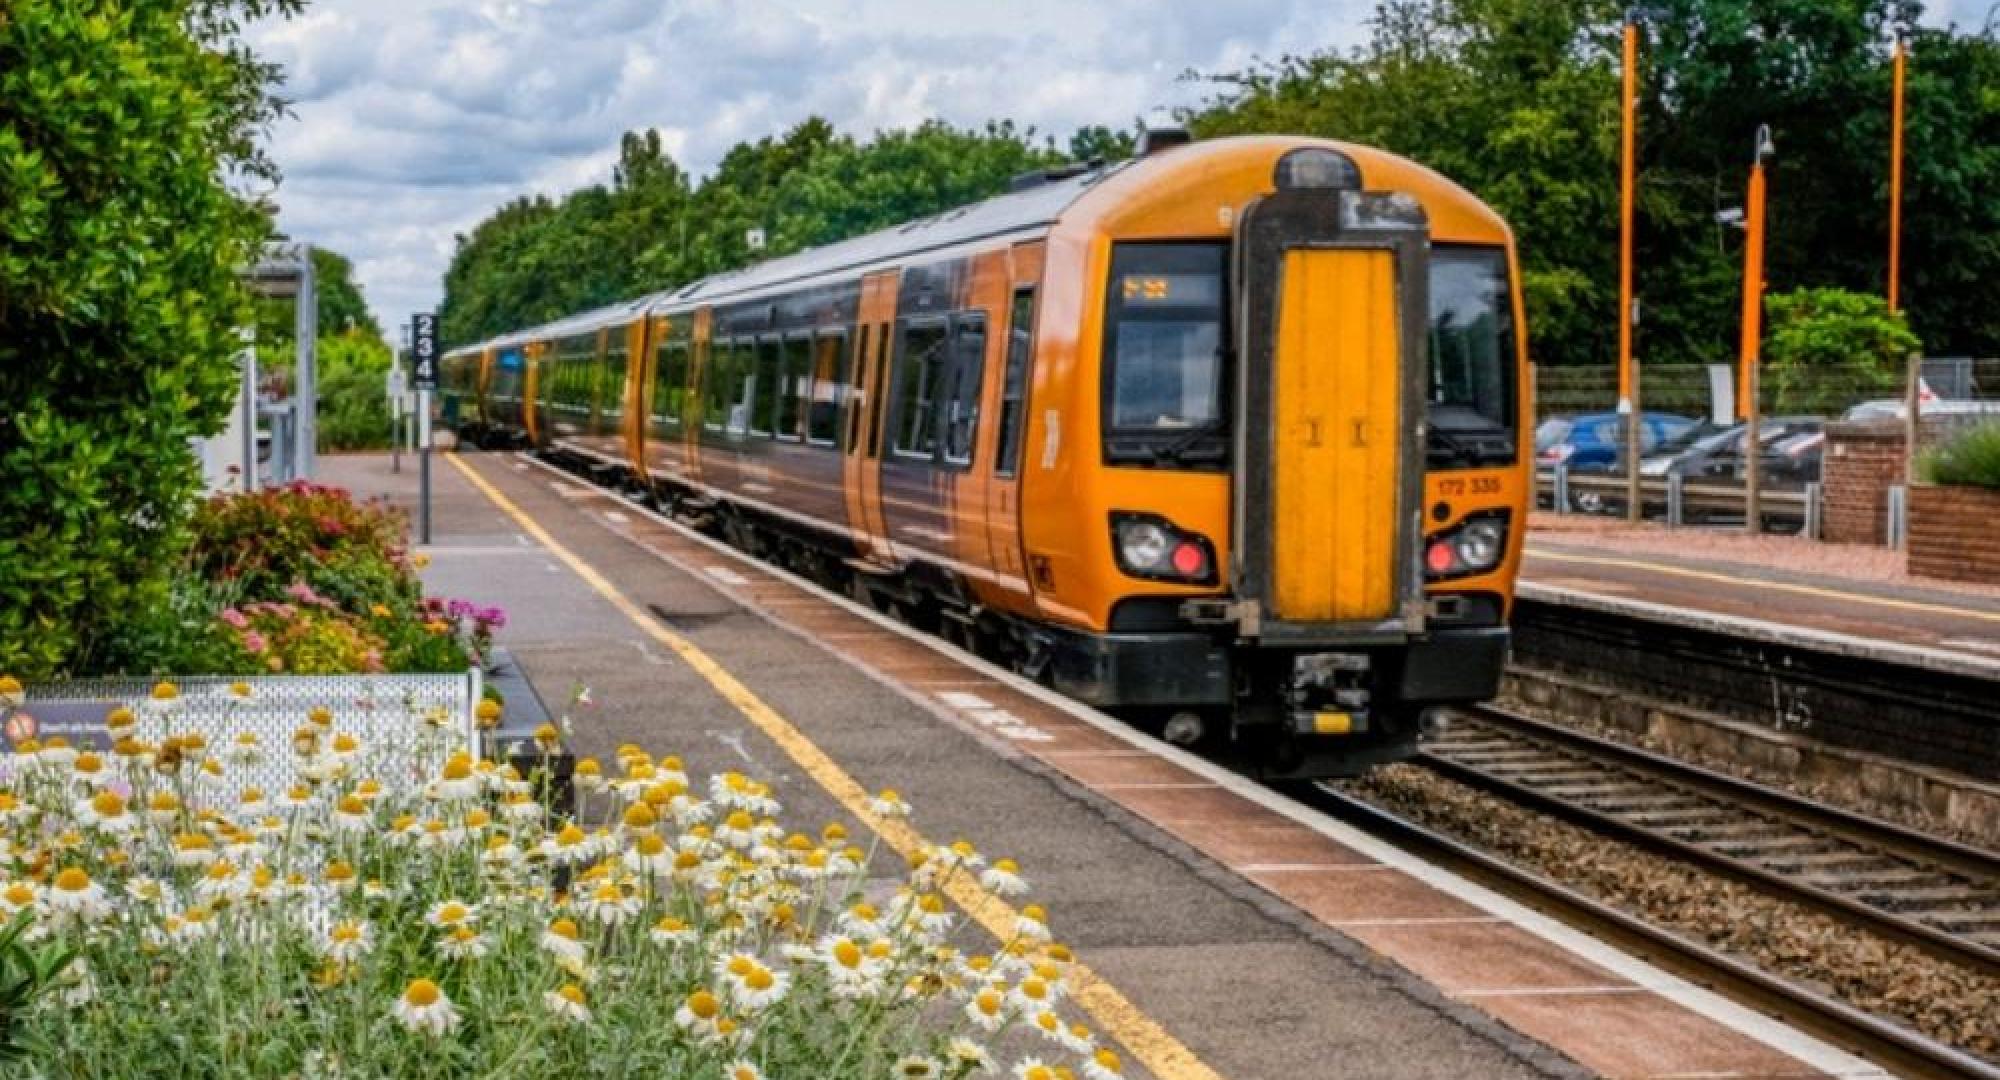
column 1945, row 1002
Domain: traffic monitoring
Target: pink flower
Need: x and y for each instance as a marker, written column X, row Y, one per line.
column 254, row 641
column 235, row 618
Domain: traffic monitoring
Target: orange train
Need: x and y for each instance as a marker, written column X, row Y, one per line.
column 1226, row 438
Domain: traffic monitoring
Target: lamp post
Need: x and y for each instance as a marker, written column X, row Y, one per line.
column 1896, row 171
column 1628, row 375
column 1753, row 331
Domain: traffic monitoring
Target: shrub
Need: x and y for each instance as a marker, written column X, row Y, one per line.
column 122, row 127
column 360, row 924
column 353, row 399
column 353, row 552
column 1969, row 459
column 1829, row 348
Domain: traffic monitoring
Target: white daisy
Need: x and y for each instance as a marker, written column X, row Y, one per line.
column 1004, row 878
column 424, row 1008
column 452, row 913
column 462, row 943
column 915, row 1067
column 347, row 941
column 564, row 940
column 568, row 1003
column 1103, row 1065
column 968, row 1056
column 73, row 894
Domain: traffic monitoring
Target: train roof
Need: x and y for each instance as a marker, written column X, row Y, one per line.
column 1020, row 214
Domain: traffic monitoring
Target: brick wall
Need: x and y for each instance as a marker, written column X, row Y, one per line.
column 1951, row 533
column 1863, row 460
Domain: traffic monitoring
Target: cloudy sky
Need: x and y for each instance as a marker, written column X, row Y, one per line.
column 415, row 118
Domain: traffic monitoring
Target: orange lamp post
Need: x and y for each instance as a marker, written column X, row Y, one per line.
column 1896, row 173
column 1628, row 376
column 1753, row 332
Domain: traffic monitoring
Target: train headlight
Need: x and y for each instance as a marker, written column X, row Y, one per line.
column 1150, row 546
column 1475, row 546
column 1480, row 544
column 1143, row 546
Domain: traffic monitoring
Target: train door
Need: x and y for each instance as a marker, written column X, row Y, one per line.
column 862, row 473
column 531, row 391
column 1003, row 492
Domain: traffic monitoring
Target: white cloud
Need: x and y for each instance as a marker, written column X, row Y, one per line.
column 416, row 118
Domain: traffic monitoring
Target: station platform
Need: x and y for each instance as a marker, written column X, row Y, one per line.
column 1222, row 929
column 1857, row 598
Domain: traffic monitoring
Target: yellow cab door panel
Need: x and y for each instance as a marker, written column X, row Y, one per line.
column 1336, row 452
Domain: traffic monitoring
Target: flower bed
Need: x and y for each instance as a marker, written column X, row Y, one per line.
column 302, row 580
column 355, row 925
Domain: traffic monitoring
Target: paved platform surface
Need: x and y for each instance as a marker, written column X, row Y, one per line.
column 1959, row 624
column 1230, row 937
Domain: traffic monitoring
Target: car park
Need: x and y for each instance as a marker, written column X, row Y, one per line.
column 1597, row 440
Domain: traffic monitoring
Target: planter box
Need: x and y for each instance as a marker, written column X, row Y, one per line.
column 1952, row 534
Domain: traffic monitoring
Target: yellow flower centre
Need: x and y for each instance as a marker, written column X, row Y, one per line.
column 931, row 904
column 589, row 767
column 1107, row 1059
column 571, row 993
column 670, row 925
column 1035, row 912
column 759, row 979
column 463, row 934
column 880, row 948
column 742, row 1072
column 347, row 933
column 570, row 836
column 120, row 717
column 165, row 691
column 19, row 895
column 1034, row 989
column 477, row 819
column 453, row 912
column 73, row 879
column 725, row 1026
column 1039, row 1072
column 339, row 872
column 640, row 816
column 368, row 789
column 546, row 733
column 456, row 769
column 741, row 966
column 563, row 928
column 193, row 842
column 988, row 1002
column 352, row 805
column 108, row 804
column 9, row 684
column 740, row 820
column 686, row 860
column 703, row 1004
column 252, row 796
column 299, row 793
column 609, row 894
column 345, row 744
column 87, row 762
column 321, row 715
column 1047, row 1022
column 422, row 993
column 650, row 845
column 847, row 954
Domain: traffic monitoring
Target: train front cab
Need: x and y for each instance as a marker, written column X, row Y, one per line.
column 1317, row 546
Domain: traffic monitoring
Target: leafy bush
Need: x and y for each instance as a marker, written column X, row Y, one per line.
column 1969, row 459
column 316, row 534
column 353, row 402
column 1829, row 348
column 27, row 975
column 458, row 927
column 121, row 127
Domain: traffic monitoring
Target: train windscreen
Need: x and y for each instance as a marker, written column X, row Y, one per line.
column 1472, row 370
column 1164, row 349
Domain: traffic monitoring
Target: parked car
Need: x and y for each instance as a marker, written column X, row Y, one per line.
column 1597, row 440
column 1711, row 455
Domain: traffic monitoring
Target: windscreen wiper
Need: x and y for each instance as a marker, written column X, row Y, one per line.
column 1179, row 445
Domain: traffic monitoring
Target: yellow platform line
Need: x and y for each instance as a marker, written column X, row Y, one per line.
column 1143, row 1037
column 1775, row 586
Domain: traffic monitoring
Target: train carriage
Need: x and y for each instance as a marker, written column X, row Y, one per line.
column 1226, row 437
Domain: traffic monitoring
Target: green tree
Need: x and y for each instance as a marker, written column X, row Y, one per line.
column 1828, row 348
column 1517, row 100
column 337, row 296
column 120, row 245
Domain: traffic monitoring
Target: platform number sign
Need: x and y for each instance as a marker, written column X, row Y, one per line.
column 423, row 349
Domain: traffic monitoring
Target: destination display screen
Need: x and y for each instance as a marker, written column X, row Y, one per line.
column 1170, row 290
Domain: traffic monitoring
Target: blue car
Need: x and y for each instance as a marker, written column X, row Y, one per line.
column 1596, row 441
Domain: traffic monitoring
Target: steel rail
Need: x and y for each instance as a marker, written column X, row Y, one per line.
column 1896, row 1047
column 1627, row 763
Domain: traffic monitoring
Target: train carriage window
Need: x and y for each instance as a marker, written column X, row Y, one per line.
column 763, row 384
column 1472, row 358
column 828, row 390
column 920, row 368
column 670, row 382
column 1014, row 381
column 794, row 377
column 964, row 381
column 612, row 393
column 857, row 399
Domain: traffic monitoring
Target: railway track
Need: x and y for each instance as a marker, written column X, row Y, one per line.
column 1930, row 893
column 1925, row 891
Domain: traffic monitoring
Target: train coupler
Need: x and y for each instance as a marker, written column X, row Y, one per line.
column 1329, row 694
